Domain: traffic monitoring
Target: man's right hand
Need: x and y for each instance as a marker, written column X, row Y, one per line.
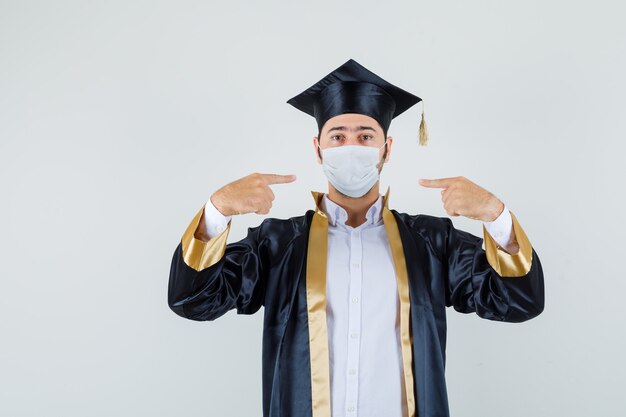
column 250, row 194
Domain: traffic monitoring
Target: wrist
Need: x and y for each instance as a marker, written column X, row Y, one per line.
column 496, row 210
column 217, row 203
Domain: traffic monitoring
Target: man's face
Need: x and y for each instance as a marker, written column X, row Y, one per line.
column 352, row 129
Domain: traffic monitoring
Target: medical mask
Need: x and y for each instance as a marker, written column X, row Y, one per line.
column 351, row 169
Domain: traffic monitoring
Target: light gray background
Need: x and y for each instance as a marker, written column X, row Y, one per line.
column 118, row 120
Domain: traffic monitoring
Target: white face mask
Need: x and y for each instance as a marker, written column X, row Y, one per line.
column 351, row 169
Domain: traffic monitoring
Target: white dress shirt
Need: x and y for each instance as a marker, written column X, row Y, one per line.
column 363, row 310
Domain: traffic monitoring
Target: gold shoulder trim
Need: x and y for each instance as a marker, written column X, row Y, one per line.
column 199, row 254
column 504, row 263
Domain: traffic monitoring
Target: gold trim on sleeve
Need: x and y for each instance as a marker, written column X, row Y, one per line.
column 399, row 261
column 507, row 264
column 199, row 254
column 317, row 253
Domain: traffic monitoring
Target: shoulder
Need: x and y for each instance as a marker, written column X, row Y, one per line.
column 438, row 231
column 425, row 225
column 275, row 227
column 432, row 230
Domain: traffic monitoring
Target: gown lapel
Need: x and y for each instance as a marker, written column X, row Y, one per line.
column 316, row 306
column 316, row 310
column 399, row 263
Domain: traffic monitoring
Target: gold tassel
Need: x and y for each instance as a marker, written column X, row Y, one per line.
column 423, row 130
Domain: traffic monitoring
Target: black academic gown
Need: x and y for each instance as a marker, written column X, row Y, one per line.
column 281, row 265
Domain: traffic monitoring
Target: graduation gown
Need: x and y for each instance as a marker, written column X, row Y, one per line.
column 281, row 265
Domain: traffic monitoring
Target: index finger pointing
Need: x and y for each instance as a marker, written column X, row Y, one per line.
column 436, row 183
column 278, row 179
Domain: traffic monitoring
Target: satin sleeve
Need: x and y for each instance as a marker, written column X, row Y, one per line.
column 491, row 282
column 207, row 279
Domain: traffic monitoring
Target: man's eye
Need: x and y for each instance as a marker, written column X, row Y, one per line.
column 367, row 136
column 335, row 136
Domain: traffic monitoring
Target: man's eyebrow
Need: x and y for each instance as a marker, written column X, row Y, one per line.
column 356, row 129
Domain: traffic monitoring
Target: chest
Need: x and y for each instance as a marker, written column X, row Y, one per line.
column 360, row 275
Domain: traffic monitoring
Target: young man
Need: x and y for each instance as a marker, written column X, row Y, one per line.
column 354, row 292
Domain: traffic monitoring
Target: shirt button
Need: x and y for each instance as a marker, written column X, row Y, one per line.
column 220, row 228
column 354, row 335
column 355, row 265
column 352, row 371
column 355, row 299
column 351, row 408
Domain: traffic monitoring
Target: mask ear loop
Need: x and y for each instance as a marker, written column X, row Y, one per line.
column 382, row 161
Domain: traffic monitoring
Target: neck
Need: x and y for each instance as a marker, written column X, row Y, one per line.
column 355, row 207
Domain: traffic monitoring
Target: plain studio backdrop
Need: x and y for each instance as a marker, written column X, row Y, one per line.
column 118, row 120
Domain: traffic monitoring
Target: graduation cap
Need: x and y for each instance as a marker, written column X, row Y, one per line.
column 352, row 88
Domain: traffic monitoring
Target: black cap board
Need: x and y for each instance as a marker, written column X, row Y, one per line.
column 352, row 88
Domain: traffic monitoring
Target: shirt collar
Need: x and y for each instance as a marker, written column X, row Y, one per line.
column 338, row 215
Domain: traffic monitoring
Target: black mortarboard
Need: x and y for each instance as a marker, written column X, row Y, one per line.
column 352, row 88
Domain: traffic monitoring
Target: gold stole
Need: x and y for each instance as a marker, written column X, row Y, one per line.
column 316, row 306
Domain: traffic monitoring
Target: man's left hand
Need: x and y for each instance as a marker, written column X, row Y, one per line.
column 462, row 197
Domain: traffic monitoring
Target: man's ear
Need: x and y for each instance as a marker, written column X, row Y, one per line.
column 389, row 141
column 317, row 151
